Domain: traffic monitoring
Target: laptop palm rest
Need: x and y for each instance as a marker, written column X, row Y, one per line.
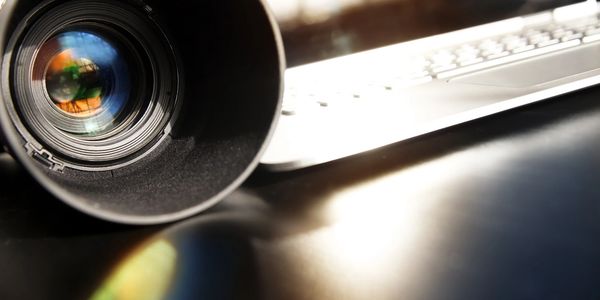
column 538, row 71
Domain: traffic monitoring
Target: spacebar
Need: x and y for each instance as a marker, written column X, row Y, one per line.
column 508, row 59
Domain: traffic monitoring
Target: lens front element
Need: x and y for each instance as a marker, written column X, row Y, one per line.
column 86, row 80
column 74, row 84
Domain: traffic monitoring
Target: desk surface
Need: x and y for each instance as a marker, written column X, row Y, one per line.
column 507, row 207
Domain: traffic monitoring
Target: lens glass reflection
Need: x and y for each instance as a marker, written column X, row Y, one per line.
column 75, row 84
column 87, row 80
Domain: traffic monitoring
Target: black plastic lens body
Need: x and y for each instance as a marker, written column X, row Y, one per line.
column 139, row 111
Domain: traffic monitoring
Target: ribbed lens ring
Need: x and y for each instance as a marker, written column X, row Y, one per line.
column 82, row 106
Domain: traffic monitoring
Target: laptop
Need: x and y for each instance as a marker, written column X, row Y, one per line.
column 448, row 62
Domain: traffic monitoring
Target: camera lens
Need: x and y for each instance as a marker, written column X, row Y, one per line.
column 139, row 111
column 87, row 82
column 96, row 83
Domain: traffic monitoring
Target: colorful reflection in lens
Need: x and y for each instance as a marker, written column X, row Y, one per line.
column 87, row 79
column 75, row 84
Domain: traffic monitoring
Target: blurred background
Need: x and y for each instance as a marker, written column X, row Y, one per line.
column 319, row 29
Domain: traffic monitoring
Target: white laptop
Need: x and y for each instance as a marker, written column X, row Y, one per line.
column 354, row 103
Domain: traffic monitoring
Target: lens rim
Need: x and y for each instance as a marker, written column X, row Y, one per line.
column 158, row 72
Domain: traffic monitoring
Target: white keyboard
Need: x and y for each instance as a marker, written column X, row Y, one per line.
column 447, row 63
column 382, row 74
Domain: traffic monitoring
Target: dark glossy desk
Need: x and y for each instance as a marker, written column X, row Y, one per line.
column 503, row 208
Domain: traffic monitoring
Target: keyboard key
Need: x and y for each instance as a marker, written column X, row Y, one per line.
column 492, row 52
column 467, row 49
column 532, row 33
column 572, row 36
column 539, row 38
column 524, row 49
column 510, row 38
column 548, row 43
column 516, row 44
column 491, row 46
column 559, row 33
column 498, row 55
column 593, row 31
column 471, row 62
column 591, row 38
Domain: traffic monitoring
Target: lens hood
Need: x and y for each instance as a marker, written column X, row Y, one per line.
column 205, row 80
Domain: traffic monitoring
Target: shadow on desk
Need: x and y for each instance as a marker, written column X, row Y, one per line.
column 505, row 207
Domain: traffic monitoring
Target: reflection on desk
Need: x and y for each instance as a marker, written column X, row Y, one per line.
column 504, row 208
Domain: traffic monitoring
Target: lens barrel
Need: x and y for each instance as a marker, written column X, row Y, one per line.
column 139, row 112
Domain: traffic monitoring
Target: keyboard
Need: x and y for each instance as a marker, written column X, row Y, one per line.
column 380, row 75
column 446, row 63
